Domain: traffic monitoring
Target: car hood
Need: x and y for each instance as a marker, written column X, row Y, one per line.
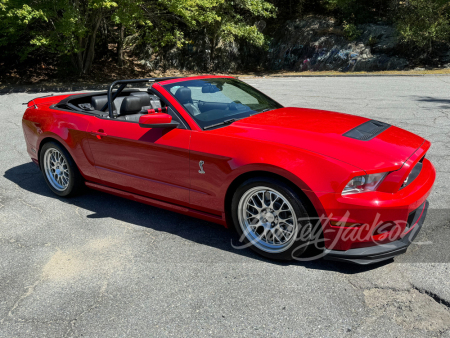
column 323, row 132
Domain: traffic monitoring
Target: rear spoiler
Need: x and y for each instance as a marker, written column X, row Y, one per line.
column 32, row 103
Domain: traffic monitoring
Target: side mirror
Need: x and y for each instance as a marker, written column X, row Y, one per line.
column 157, row 120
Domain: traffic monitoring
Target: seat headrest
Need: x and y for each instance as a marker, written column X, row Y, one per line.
column 183, row 95
column 98, row 101
column 210, row 88
column 130, row 105
column 143, row 96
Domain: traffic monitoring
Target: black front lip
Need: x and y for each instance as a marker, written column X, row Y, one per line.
column 378, row 253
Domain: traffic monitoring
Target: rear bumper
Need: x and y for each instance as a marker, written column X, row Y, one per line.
column 378, row 253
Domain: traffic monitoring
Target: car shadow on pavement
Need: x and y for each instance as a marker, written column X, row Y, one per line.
column 28, row 177
column 444, row 101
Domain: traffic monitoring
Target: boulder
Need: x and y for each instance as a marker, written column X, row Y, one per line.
column 317, row 43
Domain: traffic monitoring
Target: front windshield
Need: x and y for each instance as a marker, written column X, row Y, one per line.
column 212, row 102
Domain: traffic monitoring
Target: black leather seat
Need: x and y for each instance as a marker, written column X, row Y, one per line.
column 148, row 101
column 184, row 96
column 130, row 109
column 98, row 101
column 143, row 96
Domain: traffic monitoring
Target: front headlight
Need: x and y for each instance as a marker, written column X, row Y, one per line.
column 364, row 183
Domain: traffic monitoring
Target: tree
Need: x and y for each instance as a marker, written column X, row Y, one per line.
column 63, row 27
column 219, row 21
column 70, row 27
column 224, row 20
column 424, row 22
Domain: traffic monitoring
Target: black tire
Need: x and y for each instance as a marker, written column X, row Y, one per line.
column 75, row 179
column 300, row 238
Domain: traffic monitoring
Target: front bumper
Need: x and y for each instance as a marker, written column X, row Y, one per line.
column 356, row 221
column 381, row 252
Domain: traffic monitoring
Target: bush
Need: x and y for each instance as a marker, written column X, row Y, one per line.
column 350, row 31
column 424, row 22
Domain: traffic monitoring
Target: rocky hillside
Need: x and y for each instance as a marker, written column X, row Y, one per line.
column 310, row 44
column 318, row 44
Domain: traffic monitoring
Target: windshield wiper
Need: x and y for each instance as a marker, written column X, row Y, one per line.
column 220, row 123
column 262, row 111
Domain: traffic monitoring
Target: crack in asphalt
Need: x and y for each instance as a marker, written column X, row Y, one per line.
column 12, row 241
column 29, row 291
column 434, row 296
column 96, row 303
column 29, row 205
column 440, row 301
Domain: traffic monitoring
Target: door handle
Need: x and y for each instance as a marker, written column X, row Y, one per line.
column 99, row 132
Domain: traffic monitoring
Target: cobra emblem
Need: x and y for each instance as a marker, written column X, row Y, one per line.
column 200, row 164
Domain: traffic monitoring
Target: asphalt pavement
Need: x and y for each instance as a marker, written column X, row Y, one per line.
column 102, row 266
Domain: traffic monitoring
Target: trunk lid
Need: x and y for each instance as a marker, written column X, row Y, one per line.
column 47, row 99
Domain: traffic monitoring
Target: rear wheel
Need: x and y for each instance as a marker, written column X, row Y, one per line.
column 60, row 171
column 270, row 217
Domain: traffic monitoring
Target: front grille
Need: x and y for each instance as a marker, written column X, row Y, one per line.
column 367, row 130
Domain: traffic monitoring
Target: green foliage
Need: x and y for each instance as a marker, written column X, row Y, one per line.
column 14, row 22
column 60, row 27
column 71, row 27
column 78, row 29
column 351, row 32
column 224, row 20
column 420, row 23
column 359, row 11
column 372, row 41
column 424, row 22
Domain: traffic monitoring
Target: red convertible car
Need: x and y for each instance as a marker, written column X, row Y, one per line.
column 216, row 148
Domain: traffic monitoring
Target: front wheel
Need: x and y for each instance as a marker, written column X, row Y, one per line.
column 270, row 218
column 60, row 171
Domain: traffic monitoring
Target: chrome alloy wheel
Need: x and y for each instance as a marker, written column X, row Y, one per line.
column 267, row 219
column 56, row 169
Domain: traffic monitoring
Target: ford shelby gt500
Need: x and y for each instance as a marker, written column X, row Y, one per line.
column 215, row 148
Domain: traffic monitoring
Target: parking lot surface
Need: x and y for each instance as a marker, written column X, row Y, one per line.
column 102, row 266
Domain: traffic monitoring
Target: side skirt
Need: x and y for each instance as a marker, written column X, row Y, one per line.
column 160, row 204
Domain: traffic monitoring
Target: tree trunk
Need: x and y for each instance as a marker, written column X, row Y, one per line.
column 120, row 53
column 89, row 54
column 212, row 53
column 83, row 59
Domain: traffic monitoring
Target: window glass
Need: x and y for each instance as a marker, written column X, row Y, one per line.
column 213, row 101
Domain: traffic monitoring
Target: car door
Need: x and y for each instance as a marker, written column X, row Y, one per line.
column 153, row 162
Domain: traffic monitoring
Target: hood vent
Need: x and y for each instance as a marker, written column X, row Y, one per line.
column 367, row 130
